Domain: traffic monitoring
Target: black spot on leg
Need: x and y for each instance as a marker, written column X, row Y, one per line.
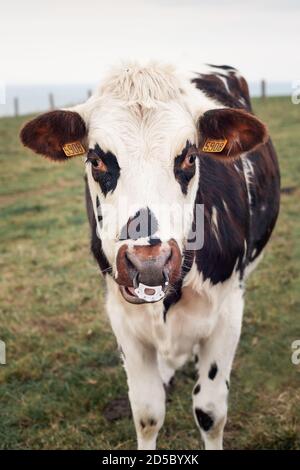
column 196, row 358
column 227, row 384
column 148, row 422
column 213, row 371
column 197, row 389
column 204, row 419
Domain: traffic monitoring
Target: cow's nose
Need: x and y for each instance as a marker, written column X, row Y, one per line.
column 149, row 266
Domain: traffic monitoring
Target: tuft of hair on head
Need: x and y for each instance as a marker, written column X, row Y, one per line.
column 144, row 86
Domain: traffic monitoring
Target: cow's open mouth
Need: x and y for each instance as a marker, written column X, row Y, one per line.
column 148, row 294
column 129, row 295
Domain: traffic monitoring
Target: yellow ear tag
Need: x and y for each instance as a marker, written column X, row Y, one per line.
column 73, row 149
column 214, row 146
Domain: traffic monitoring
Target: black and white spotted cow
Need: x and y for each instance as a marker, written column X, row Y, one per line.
column 159, row 143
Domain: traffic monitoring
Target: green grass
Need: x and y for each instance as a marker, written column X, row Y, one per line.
column 62, row 366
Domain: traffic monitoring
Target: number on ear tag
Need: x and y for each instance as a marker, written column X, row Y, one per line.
column 214, row 146
column 73, row 149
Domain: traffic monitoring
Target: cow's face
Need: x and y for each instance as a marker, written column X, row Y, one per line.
column 142, row 168
column 143, row 172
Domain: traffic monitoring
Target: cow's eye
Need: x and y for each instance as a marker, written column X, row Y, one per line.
column 185, row 167
column 98, row 164
column 189, row 161
column 105, row 169
column 192, row 158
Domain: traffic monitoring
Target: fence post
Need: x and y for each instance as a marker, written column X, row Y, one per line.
column 16, row 106
column 51, row 101
column 263, row 89
column 2, row 352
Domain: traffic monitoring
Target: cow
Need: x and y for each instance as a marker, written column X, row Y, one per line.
column 154, row 139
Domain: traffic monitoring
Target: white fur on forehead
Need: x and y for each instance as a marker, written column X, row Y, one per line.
column 142, row 85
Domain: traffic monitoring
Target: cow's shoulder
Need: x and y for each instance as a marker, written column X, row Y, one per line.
column 224, row 84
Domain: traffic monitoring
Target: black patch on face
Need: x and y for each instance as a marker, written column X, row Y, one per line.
column 197, row 389
column 98, row 206
column 213, row 371
column 107, row 179
column 96, row 244
column 154, row 241
column 185, row 175
column 204, row 419
column 142, row 225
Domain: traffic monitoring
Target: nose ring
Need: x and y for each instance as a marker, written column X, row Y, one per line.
column 157, row 292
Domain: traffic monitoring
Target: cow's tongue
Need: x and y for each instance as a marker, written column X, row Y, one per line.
column 131, row 291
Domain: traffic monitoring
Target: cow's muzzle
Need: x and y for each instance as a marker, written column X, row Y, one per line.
column 146, row 272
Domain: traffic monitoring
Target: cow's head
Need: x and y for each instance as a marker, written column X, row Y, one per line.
column 143, row 133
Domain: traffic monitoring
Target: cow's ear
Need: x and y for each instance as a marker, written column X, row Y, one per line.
column 228, row 133
column 57, row 135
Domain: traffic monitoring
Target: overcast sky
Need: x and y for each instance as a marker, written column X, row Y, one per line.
column 62, row 41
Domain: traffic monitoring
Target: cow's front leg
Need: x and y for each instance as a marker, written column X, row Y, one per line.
column 146, row 394
column 210, row 393
column 146, row 390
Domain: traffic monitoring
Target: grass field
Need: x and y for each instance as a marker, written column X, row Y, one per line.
column 62, row 367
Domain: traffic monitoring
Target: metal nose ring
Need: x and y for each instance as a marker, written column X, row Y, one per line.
column 153, row 297
column 157, row 292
